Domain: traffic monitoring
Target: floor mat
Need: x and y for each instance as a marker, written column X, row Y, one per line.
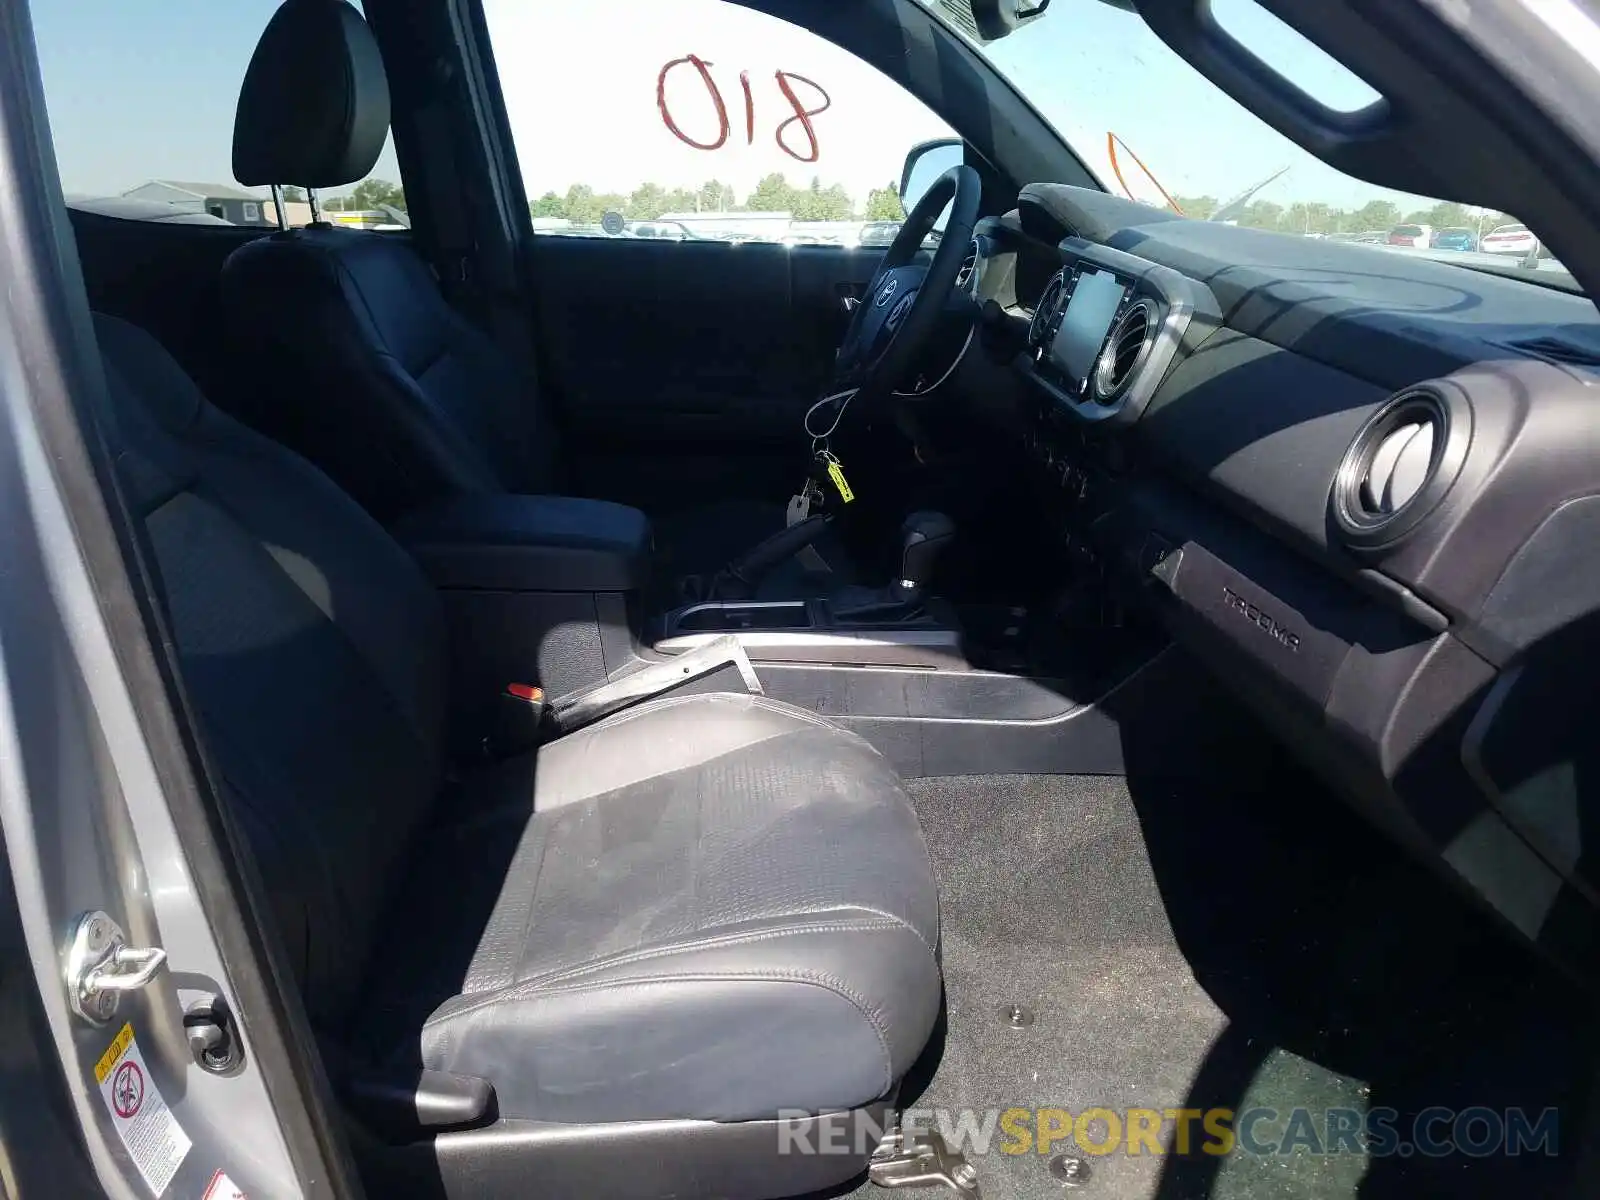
column 1223, row 944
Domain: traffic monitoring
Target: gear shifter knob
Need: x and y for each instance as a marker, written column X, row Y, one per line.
column 925, row 536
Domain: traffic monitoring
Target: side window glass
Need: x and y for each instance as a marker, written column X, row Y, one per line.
column 141, row 101
column 700, row 120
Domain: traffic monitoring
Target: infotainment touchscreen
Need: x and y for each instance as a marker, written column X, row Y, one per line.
column 1085, row 324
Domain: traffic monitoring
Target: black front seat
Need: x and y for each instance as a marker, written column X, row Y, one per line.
column 651, row 938
column 352, row 354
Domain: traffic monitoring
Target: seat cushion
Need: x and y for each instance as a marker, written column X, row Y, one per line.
column 713, row 907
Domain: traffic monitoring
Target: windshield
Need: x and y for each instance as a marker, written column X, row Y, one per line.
column 1154, row 129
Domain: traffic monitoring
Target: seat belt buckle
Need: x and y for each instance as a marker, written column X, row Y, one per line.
column 520, row 721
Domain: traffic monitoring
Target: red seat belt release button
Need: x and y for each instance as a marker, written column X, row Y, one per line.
column 519, row 723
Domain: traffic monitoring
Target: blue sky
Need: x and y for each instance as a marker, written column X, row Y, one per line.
column 139, row 91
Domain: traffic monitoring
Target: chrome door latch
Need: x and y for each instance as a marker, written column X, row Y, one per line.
column 101, row 966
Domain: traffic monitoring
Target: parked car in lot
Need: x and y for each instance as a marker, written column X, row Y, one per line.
column 1455, row 239
column 1410, row 235
column 1510, row 239
column 1372, row 237
column 878, row 233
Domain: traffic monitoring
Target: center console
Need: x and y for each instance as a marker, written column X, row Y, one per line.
column 1105, row 331
column 536, row 590
column 544, row 595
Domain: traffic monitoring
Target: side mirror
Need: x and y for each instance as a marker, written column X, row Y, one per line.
column 925, row 164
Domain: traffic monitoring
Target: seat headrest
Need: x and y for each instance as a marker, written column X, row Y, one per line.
column 314, row 108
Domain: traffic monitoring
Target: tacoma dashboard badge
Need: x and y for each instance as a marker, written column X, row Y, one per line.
column 1261, row 620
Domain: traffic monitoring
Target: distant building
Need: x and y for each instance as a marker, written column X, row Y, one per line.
column 298, row 212
column 232, row 204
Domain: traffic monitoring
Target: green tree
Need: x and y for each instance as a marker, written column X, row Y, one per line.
column 772, row 194
column 681, row 200
column 583, row 207
column 370, row 193
column 648, row 201
column 883, row 204
column 1305, row 217
column 836, row 203
column 1200, row 208
column 1376, row 214
column 580, row 204
column 1447, row 214
column 715, row 197
column 1262, row 214
column 548, row 205
column 293, row 195
column 818, row 203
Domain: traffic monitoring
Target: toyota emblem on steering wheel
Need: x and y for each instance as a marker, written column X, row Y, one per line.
column 887, row 294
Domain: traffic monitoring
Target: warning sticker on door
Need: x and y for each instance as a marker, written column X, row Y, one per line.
column 223, row 1188
column 155, row 1140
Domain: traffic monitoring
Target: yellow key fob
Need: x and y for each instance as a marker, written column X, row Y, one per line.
column 836, row 473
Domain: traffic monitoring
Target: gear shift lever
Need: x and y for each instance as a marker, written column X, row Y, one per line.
column 925, row 537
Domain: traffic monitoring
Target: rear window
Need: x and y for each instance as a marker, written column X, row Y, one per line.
column 141, row 100
column 1408, row 230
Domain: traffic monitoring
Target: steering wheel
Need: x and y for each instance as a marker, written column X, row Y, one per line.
column 901, row 307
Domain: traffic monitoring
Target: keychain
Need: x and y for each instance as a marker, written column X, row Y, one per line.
column 806, row 501
column 835, row 471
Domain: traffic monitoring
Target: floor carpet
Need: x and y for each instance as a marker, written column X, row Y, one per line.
column 1196, row 944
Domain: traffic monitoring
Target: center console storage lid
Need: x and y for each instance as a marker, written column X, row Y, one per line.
column 529, row 543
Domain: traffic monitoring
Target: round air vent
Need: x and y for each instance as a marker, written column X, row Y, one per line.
column 1044, row 313
column 1398, row 469
column 1124, row 352
column 969, row 268
column 1399, row 466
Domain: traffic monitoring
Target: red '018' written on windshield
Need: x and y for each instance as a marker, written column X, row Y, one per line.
column 785, row 81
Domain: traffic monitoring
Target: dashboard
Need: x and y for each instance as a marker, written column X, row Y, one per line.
column 1364, row 487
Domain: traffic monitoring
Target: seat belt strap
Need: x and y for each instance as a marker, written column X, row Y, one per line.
column 453, row 248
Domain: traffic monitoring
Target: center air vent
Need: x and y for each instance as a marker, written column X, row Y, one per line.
column 969, row 268
column 1400, row 465
column 1044, row 313
column 1124, row 352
